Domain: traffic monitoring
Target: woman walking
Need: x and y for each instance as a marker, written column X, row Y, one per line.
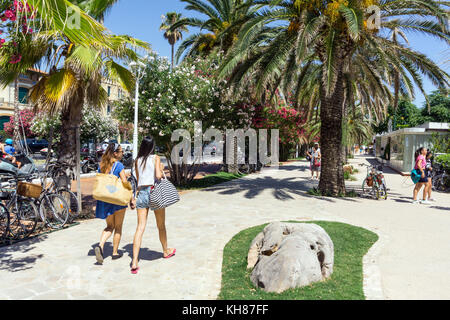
column 113, row 214
column 315, row 156
column 429, row 170
column 420, row 166
column 148, row 169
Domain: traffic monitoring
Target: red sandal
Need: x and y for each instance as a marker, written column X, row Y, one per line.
column 134, row 271
column 171, row 255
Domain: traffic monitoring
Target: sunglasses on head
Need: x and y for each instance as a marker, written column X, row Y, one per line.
column 116, row 146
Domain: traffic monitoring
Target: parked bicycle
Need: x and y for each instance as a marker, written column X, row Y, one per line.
column 20, row 218
column 440, row 179
column 375, row 184
column 58, row 179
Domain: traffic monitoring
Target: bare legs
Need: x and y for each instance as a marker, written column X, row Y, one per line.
column 114, row 224
column 142, row 215
column 118, row 223
column 417, row 189
column 430, row 187
column 160, row 216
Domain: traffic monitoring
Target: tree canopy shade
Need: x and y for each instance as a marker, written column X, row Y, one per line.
column 343, row 50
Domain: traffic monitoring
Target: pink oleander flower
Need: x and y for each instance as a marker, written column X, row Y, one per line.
column 16, row 58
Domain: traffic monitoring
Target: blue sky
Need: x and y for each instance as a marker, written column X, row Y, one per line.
column 142, row 18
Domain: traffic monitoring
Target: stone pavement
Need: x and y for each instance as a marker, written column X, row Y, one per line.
column 410, row 261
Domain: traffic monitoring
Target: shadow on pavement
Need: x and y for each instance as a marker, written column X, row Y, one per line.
column 8, row 255
column 441, row 208
column 281, row 189
column 144, row 253
column 288, row 167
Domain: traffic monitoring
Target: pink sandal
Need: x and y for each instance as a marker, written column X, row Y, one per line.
column 171, row 255
column 134, row 271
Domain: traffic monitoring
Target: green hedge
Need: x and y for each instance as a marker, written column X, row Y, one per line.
column 444, row 160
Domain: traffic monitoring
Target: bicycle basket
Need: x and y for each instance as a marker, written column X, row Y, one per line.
column 380, row 179
column 29, row 190
column 62, row 181
column 370, row 181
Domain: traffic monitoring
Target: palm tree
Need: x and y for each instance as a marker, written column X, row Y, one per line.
column 357, row 129
column 95, row 8
column 77, row 59
column 332, row 38
column 173, row 35
column 222, row 22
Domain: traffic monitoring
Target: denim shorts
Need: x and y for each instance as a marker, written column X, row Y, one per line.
column 143, row 198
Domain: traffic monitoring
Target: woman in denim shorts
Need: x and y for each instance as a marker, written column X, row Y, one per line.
column 148, row 169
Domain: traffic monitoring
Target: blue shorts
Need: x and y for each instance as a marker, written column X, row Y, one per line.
column 143, row 198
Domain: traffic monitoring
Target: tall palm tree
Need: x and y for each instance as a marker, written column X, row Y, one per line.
column 330, row 37
column 77, row 59
column 173, row 35
column 222, row 22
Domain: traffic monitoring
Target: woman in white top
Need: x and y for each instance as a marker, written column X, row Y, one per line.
column 148, row 169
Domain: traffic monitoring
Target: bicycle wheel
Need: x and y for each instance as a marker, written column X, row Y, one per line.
column 4, row 222
column 24, row 218
column 364, row 186
column 72, row 203
column 383, row 192
column 439, row 183
column 54, row 210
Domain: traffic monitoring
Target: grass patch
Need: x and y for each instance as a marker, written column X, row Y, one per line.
column 211, row 180
column 297, row 159
column 348, row 176
column 346, row 283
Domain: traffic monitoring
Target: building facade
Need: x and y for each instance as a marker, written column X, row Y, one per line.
column 115, row 92
column 27, row 81
column 396, row 149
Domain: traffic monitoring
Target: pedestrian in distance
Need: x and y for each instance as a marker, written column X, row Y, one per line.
column 429, row 171
column 315, row 157
column 420, row 166
column 149, row 169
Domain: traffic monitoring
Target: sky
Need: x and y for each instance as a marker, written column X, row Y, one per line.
column 141, row 19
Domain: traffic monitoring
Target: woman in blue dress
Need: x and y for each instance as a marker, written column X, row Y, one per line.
column 113, row 214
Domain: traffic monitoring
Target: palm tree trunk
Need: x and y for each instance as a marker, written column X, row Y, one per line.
column 16, row 115
column 70, row 120
column 331, row 114
column 173, row 54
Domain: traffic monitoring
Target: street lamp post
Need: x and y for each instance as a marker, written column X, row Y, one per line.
column 138, row 67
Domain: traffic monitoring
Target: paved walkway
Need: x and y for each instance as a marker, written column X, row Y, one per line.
column 410, row 261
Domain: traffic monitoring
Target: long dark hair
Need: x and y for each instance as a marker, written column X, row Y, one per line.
column 146, row 149
column 418, row 152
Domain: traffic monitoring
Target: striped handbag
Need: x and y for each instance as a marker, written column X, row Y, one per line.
column 163, row 195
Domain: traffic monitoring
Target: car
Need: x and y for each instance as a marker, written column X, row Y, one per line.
column 44, row 152
column 35, row 145
column 126, row 146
